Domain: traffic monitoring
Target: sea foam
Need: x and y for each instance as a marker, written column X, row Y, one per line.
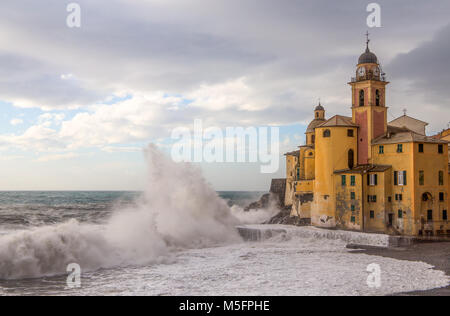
column 178, row 210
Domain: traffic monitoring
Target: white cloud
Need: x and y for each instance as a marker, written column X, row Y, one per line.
column 49, row 119
column 181, row 48
column 66, row 76
column 11, row 157
column 151, row 116
column 36, row 138
column 228, row 95
column 229, row 63
column 112, row 149
column 16, row 121
column 56, row 157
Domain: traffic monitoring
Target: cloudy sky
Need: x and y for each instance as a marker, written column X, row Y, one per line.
column 79, row 104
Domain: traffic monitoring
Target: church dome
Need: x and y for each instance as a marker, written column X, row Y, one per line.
column 368, row 58
column 319, row 108
column 315, row 123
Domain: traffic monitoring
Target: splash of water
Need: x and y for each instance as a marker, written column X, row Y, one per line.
column 256, row 216
column 178, row 210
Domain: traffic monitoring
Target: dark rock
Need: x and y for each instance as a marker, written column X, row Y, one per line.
column 263, row 203
column 278, row 188
column 285, row 218
column 276, row 199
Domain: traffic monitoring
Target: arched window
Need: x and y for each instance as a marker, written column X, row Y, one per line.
column 351, row 159
column 426, row 197
column 327, row 133
column 313, row 139
column 317, row 114
column 377, row 98
column 361, row 98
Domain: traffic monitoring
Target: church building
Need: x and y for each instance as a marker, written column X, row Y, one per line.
column 364, row 173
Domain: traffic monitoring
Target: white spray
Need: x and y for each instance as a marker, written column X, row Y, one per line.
column 179, row 210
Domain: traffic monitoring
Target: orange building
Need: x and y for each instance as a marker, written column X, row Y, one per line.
column 364, row 173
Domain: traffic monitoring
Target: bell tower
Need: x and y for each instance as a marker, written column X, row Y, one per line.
column 319, row 112
column 369, row 109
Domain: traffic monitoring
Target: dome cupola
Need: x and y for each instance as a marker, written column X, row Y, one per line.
column 319, row 108
column 319, row 112
column 368, row 57
column 368, row 67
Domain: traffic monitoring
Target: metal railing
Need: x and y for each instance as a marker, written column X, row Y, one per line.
column 369, row 77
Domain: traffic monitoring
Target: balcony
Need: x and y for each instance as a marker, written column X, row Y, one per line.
column 369, row 76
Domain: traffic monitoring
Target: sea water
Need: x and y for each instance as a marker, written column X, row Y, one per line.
column 176, row 237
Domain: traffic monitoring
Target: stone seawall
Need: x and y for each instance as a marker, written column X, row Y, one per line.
column 278, row 188
column 263, row 232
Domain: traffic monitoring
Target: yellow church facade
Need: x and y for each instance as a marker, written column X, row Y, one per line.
column 364, row 173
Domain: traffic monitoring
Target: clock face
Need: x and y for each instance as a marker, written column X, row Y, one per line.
column 376, row 71
column 362, row 71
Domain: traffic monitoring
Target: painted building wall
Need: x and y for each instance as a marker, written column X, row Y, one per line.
column 382, row 207
column 408, row 199
column 310, row 138
column 291, row 167
column 331, row 154
column 372, row 124
column 348, row 209
column 361, row 118
column 353, row 211
column 431, row 162
column 310, row 165
column 405, row 193
column 302, row 205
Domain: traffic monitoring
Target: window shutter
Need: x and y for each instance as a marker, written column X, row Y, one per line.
column 376, row 179
column 368, row 179
column 404, row 177
column 395, row 177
